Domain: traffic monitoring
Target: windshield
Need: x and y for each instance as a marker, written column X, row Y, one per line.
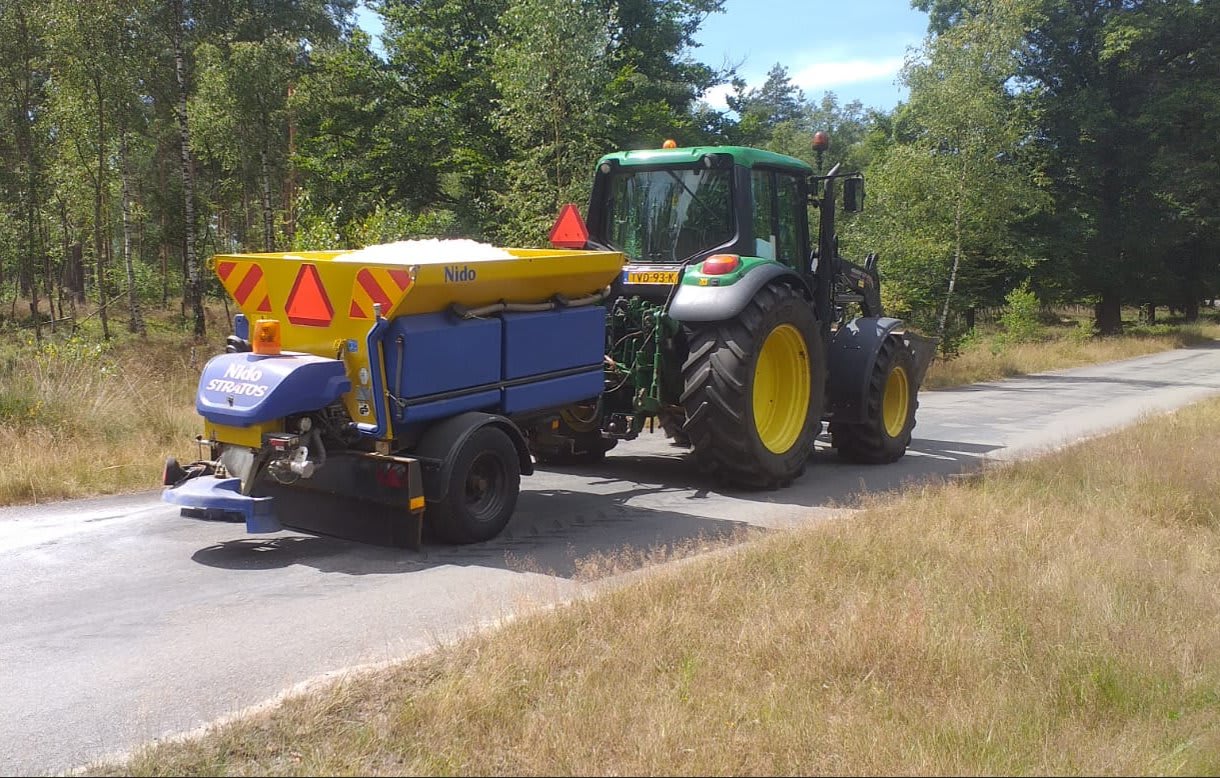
column 669, row 215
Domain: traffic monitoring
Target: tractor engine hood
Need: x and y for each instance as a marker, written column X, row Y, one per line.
column 243, row 389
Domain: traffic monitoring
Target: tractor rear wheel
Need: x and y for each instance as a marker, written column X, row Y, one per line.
column 754, row 389
column 890, row 404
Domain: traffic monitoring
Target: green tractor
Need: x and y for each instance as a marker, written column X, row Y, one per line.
column 733, row 325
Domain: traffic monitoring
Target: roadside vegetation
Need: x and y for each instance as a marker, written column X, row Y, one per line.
column 1053, row 617
column 81, row 416
column 1036, row 341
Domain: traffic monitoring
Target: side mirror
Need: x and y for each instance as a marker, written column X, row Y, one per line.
column 853, row 194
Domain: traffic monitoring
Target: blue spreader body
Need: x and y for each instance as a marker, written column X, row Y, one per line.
column 223, row 495
column 243, row 389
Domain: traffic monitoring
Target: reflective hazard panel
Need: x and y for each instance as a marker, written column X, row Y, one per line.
column 246, row 282
column 569, row 231
column 307, row 302
column 384, row 286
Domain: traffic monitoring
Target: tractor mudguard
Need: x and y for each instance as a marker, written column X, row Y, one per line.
column 243, row 388
column 441, row 440
column 719, row 303
column 852, row 355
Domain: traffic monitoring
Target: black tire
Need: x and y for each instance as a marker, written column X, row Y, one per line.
column 481, row 492
column 719, row 375
column 872, row 442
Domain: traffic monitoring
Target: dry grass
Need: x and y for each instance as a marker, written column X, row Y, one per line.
column 1056, row 617
column 988, row 358
column 79, row 417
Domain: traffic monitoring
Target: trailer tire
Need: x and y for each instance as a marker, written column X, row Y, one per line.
column 754, row 390
column 482, row 488
column 890, row 402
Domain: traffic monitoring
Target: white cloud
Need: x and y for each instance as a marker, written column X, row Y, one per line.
column 715, row 96
column 827, row 75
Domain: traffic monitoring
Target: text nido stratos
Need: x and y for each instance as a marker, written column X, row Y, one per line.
column 239, row 380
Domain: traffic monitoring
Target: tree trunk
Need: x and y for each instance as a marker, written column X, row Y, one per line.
column 1190, row 308
column 290, row 184
column 957, row 250
column 135, row 322
column 194, row 291
column 163, row 251
column 48, row 277
column 99, row 253
column 31, row 240
column 268, row 213
column 75, row 273
column 1109, row 314
column 1148, row 313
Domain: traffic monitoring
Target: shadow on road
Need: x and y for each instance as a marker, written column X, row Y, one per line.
column 646, row 495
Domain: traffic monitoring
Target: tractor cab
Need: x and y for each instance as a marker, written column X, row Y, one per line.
column 672, row 208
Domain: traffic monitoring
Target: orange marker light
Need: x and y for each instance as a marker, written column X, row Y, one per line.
column 669, row 143
column 720, row 264
column 266, row 340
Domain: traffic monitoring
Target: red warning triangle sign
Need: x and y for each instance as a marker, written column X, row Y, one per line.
column 569, row 231
column 307, row 302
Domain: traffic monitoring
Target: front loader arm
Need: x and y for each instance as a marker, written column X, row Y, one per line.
column 859, row 284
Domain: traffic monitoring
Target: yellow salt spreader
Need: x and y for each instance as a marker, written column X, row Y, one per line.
column 363, row 391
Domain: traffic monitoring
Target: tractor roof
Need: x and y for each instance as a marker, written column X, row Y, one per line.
column 741, row 155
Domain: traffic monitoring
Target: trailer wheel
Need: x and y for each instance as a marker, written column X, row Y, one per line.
column 890, row 403
column 481, row 492
column 754, row 390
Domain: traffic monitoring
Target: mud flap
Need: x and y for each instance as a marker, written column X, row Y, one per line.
column 923, row 349
column 368, row 498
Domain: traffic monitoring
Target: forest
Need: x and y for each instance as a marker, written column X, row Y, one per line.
column 1065, row 148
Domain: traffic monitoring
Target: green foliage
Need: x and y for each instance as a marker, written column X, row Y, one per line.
column 952, row 178
column 1034, row 143
column 324, row 229
column 552, row 73
column 1082, row 332
column 1021, row 317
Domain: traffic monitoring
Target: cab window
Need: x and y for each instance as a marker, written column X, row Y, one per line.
column 762, row 184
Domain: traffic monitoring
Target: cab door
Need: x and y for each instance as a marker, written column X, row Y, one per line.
column 780, row 218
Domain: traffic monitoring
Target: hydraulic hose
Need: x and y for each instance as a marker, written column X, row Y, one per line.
column 559, row 301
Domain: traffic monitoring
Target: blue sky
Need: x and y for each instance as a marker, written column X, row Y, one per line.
column 853, row 48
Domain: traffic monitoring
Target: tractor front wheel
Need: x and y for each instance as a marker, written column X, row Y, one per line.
column 890, row 403
column 754, row 388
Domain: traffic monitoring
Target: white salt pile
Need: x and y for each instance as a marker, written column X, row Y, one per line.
column 430, row 251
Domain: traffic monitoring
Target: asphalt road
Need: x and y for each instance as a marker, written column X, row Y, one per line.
column 121, row 622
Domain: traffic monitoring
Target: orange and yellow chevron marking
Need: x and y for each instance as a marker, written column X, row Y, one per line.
column 377, row 285
column 245, row 281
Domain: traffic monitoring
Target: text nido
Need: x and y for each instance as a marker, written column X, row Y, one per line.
column 455, row 275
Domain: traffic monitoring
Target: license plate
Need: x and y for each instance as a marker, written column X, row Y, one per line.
column 651, row 276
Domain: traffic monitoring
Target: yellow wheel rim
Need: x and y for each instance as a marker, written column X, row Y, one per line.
column 781, row 389
column 896, row 402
